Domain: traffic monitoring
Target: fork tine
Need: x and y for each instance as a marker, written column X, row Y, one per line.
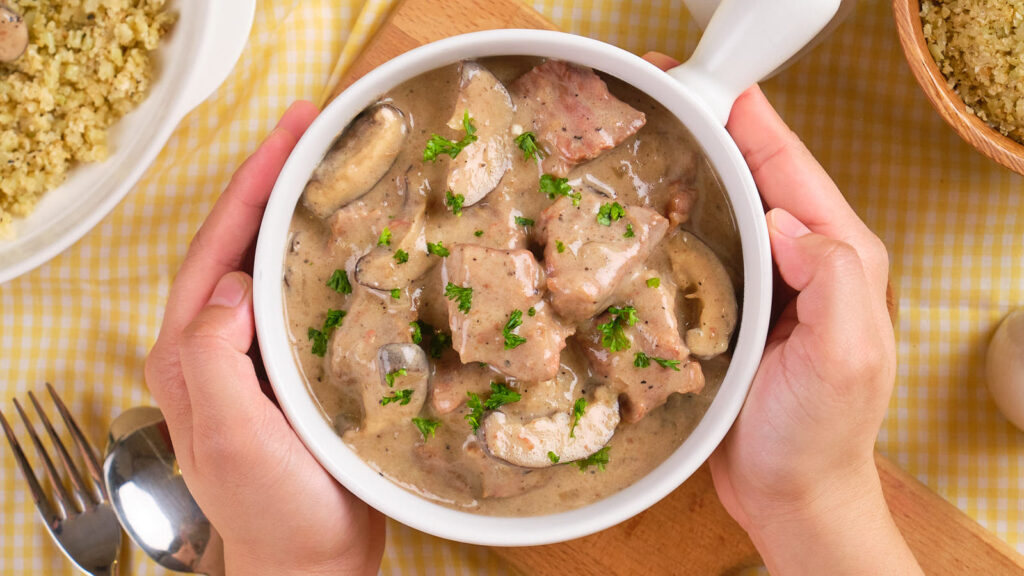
column 42, row 502
column 67, row 507
column 84, row 446
column 83, row 495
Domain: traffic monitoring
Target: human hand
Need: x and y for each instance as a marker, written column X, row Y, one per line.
column 277, row 509
column 799, row 460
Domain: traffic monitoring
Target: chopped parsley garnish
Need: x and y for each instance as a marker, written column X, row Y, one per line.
column 417, row 334
column 390, row 376
column 527, row 142
column 653, row 282
column 609, row 213
column 438, row 145
column 478, row 233
column 401, row 396
column 463, row 295
column 385, row 237
column 427, row 426
column 401, row 256
column 613, row 335
column 559, row 246
column 515, row 320
column 629, row 231
column 437, row 249
column 339, row 282
column 554, row 187
column 500, row 395
column 396, row 293
column 520, row 221
column 553, row 457
column 578, row 409
column 531, row 312
column 454, row 202
column 641, row 360
column 599, row 459
column 438, row 343
column 321, row 336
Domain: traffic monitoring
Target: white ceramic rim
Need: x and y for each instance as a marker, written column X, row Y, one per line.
column 303, row 411
column 204, row 59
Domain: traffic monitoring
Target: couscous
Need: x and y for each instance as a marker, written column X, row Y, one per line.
column 979, row 47
column 88, row 63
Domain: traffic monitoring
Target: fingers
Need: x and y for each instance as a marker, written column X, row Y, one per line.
column 218, row 248
column 222, row 386
column 789, row 177
column 227, row 234
column 840, row 329
column 660, row 60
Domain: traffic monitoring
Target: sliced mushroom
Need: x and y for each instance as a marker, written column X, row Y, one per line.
column 359, row 158
column 527, row 444
column 406, row 366
column 479, row 167
column 701, row 274
column 405, row 258
column 13, row 35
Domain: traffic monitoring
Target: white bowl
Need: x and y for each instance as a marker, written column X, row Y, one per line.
column 703, row 114
column 193, row 60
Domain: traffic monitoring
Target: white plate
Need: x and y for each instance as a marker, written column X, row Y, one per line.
column 193, row 60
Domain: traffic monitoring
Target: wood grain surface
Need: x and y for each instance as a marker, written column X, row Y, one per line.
column 944, row 99
column 688, row 532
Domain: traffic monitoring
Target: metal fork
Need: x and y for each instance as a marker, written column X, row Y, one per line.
column 84, row 526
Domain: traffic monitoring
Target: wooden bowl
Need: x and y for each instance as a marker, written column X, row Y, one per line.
column 947, row 102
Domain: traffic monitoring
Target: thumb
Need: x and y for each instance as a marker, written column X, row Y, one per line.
column 222, row 386
column 835, row 313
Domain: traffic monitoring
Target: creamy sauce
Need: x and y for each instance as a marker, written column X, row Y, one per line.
column 640, row 172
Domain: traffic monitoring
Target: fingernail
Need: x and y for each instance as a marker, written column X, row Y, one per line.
column 786, row 224
column 229, row 291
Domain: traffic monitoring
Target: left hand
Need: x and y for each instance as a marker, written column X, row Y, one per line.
column 277, row 509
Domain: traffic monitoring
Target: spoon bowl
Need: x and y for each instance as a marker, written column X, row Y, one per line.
column 150, row 498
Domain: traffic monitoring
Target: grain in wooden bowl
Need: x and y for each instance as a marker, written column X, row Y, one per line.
column 940, row 90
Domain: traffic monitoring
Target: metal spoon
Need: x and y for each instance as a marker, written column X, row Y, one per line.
column 150, row 497
column 13, row 34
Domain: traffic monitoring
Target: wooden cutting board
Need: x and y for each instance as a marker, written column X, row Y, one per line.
column 689, row 532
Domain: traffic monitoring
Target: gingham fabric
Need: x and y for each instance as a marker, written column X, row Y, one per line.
column 950, row 218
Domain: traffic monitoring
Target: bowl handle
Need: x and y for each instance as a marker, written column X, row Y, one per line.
column 230, row 22
column 744, row 42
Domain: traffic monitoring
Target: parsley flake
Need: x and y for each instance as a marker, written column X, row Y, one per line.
column 578, row 409
column 417, row 334
column 609, row 213
column 454, row 202
column 438, row 343
column 339, row 282
column 463, row 294
column 385, row 237
column 401, row 256
column 500, row 395
column 390, row 376
column 527, row 142
column 599, row 459
column 553, row 457
column 559, row 246
column 653, row 282
column 427, row 426
column 554, row 187
column 396, row 293
column 641, row 360
column 531, row 312
column 629, row 231
column 613, row 335
column 320, row 337
column 403, row 397
column 478, row 233
column 520, row 221
column 437, row 249
column 515, row 320
column 438, row 145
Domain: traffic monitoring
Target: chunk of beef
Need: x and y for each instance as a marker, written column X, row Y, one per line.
column 574, row 116
column 595, row 258
column 680, row 203
column 403, row 256
column 656, row 334
column 375, row 320
column 452, row 380
column 503, row 281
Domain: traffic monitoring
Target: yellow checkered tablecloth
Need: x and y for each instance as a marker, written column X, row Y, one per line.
column 953, row 222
